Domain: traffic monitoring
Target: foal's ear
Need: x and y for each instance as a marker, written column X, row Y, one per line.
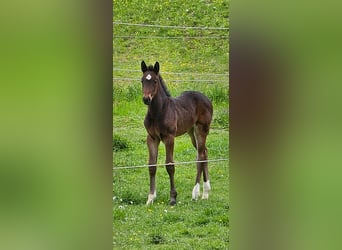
column 143, row 67
column 156, row 67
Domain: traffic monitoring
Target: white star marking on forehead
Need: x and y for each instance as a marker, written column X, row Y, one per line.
column 148, row 77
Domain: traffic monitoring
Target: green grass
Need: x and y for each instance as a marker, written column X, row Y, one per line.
column 175, row 55
column 202, row 224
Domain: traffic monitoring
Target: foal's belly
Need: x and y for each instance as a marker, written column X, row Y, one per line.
column 182, row 131
column 183, row 126
column 159, row 132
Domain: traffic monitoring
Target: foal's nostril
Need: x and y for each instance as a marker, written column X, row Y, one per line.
column 147, row 100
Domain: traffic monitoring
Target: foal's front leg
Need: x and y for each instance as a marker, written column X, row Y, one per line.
column 152, row 145
column 170, row 167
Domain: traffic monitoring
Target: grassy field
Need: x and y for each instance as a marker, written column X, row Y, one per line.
column 187, row 63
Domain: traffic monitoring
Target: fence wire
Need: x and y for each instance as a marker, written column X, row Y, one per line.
column 170, row 26
column 172, row 37
column 165, row 164
column 175, row 73
column 201, row 80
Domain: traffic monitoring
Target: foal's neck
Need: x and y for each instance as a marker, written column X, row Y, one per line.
column 158, row 101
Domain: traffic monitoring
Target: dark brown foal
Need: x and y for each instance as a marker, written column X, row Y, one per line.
column 168, row 118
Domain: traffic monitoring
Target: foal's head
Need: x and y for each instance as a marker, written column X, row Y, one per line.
column 150, row 81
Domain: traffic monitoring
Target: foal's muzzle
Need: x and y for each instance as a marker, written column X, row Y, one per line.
column 147, row 100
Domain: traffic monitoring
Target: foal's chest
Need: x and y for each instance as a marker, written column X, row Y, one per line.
column 153, row 128
column 162, row 123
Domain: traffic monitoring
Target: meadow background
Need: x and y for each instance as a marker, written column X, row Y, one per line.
column 190, row 59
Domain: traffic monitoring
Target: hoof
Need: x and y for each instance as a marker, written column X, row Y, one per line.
column 151, row 198
column 173, row 197
column 206, row 189
column 205, row 196
column 196, row 191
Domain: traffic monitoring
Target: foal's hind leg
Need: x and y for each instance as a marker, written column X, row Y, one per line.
column 153, row 154
column 200, row 133
column 196, row 190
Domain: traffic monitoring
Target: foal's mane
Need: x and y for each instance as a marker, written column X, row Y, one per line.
column 162, row 82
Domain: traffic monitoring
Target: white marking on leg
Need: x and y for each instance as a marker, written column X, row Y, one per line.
column 196, row 191
column 151, row 198
column 206, row 189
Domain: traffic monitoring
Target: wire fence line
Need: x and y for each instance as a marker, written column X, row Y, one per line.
column 175, row 73
column 166, row 164
column 170, row 26
column 172, row 37
column 198, row 80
